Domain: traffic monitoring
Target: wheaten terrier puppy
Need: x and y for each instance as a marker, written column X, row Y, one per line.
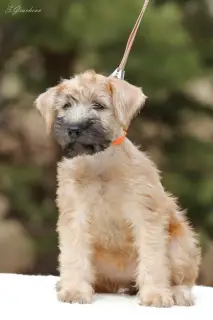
column 118, row 228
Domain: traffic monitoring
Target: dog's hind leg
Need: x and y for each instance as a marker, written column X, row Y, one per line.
column 185, row 259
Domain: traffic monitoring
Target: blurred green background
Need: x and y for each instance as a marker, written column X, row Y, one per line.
column 172, row 60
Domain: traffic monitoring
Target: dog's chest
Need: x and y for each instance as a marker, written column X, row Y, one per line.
column 104, row 195
column 103, row 192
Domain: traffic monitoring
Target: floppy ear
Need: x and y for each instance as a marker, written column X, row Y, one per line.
column 127, row 100
column 45, row 104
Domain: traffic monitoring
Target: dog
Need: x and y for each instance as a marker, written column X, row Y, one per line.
column 119, row 230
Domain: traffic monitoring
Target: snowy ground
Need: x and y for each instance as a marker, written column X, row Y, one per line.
column 34, row 297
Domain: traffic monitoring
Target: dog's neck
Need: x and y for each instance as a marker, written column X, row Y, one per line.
column 114, row 153
column 116, row 157
column 117, row 151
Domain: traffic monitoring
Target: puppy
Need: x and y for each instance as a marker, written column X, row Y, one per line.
column 118, row 228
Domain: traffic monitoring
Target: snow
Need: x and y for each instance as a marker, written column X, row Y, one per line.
column 34, row 297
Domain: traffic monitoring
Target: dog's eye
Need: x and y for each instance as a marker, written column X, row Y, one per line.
column 66, row 106
column 98, row 106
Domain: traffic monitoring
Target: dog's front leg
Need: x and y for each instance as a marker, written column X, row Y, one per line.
column 153, row 273
column 76, row 273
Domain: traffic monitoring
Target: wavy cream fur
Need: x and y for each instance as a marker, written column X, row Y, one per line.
column 117, row 225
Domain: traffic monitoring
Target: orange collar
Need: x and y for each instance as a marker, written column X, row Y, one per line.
column 120, row 139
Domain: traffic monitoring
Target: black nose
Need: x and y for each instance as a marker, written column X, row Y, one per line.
column 74, row 131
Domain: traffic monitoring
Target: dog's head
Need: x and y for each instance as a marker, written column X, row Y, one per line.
column 86, row 113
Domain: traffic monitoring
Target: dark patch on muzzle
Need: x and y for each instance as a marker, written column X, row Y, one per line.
column 77, row 149
column 86, row 138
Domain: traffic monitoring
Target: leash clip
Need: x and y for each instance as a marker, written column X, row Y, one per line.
column 118, row 73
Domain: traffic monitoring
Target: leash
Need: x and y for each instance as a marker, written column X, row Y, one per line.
column 120, row 71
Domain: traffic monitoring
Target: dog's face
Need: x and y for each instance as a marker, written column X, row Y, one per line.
column 86, row 113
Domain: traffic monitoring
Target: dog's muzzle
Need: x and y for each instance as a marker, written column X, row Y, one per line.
column 86, row 137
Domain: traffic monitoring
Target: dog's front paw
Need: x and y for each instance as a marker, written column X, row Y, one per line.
column 80, row 294
column 161, row 298
column 182, row 296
